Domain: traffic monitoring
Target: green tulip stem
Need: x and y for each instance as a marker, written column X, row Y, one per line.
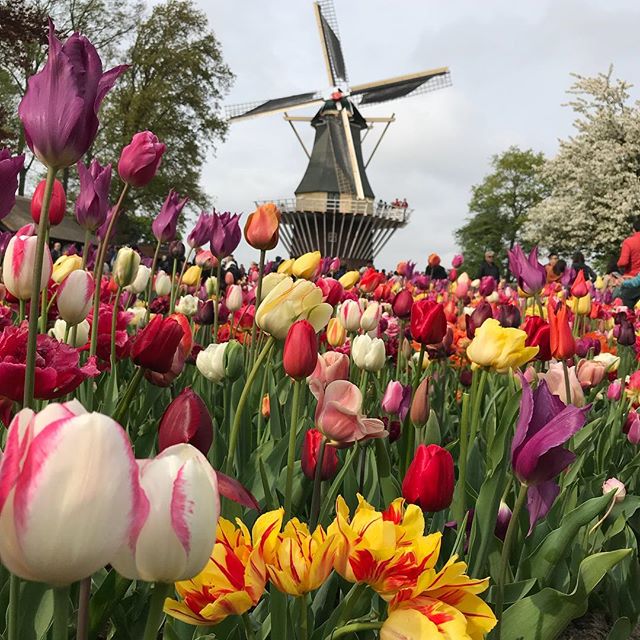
column 154, row 264
column 172, row 300
column 247, row 626
column 354, row 627
column 36, row 281
column 506, row 549
column 84, row 596
column 244, row 396
column 567, row 383
column 60, row 613
column 114, row 324
column 254, row 327
column 13, row 609
column 291, row 457
column 85, row 248
column 477, row 392
column 123, row 405
column 317, row 486
column 216, row 306
column 22, row 305
column 97, row 270
column 175, row 288
column 304, row 617
column 154, row 618
column 44, row 308
column 459, row 507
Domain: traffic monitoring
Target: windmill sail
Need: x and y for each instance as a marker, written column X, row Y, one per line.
column 330, row 40
column 252, row 109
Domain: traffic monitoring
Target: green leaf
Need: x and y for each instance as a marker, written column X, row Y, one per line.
column 36, row 610
column 514, row 591
column 621, row 630
column 544, row 615
column 104, row 600
column 553, row 549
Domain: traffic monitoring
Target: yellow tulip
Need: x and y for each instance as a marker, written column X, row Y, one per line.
column 336, row 333
column 306, row 266
column 499, row 348
column 192, row 276
column 232, row 582
column 599, row 283
column 349, row 279
column 286, row 267
column 580, row 306
column 64, row 265
column 289, row 301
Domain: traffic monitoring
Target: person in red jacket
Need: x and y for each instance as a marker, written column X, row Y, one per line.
column 629, row 260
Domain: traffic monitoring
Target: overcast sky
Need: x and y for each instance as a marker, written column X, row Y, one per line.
column 510, row 64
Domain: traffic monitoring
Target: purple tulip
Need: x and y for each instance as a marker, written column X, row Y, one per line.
column 474, row 321
column 530, row 273
column 509, row 316
column 204, row 315
column 59, row 110
column 103, row 228
column 9, row 170
column 5, row 237
column 502, row 521
column 487, row 286
column 201, row 233
column 186, row 419
column 166, row 222
column 545, row 424
column 225, row 234
column 92, row 204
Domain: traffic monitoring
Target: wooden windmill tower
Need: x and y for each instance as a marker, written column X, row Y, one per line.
column 334, row 209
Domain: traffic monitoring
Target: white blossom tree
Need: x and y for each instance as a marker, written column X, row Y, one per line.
column 595, row 177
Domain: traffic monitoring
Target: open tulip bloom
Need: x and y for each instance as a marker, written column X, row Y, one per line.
column 303, row 448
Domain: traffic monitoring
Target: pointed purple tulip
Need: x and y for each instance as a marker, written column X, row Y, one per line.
column 9, row 170
column 201, row 233
column 59, row 110
column 166, row 222
column 530, row 273
column 92, row 204
column 225, row 234
column 537, row 452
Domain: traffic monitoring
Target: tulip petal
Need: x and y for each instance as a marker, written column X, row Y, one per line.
column 540, row 499
column 233, row 490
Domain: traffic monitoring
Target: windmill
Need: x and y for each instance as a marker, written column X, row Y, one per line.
column 334, row 209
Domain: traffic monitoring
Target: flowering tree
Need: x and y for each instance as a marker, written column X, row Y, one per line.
column 595, row 177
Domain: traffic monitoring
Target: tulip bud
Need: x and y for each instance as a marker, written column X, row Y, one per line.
column 139, row 284
column 336, row 333
column 162, row 284
column 155, row 346
column 402, row 304
column 75, row 296
column 632, row 427
column 186, row 420
column 187, row 305
column 331, row 290
column 205, row 315
column 614, row 391
column 19, row 263
column 300, row 354
column 502, row 521
column 311, row 451
column 262, row 226
column 430, row 479
column 306, row 266
column 614, row 484
column 211, row 286
column 466, row 377
column 420, row 405
column 233, row 360
column 457, row 261
column 428, row 322
column 349, row 279
column 125, row 268
column 579, row 288
column 368, row 353
column 59, row 331
column 178, row 521
column 139, row 160
column 265, row 407
column 349, row 314
column 477, row 318
column 370, row 319
column 57, row 204
column 509, row 316
column 233, row 298
column 210, row 362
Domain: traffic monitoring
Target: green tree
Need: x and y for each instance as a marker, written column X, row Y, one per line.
column 499, row 206
column 174, row 88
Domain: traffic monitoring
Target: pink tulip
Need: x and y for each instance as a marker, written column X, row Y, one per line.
column 614, row 391
column 349, row 315
column 69, row 493
column 177, row 522
column 75, row 296
column 140, row 159
column 555, row 379
column 339, row 417
column 331, row 366
column 590, row 373
column 19, row 263
column 457, row 261
column 632, row 427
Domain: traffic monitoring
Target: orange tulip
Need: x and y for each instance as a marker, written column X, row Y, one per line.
column 261, row 230
column 562, row 343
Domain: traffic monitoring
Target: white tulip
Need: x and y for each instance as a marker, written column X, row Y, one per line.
column 187, row 305
column 368, row 353
column 82, row 332
column 141, row 280
column 210, row 362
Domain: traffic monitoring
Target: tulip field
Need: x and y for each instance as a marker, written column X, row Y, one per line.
column 303, row 452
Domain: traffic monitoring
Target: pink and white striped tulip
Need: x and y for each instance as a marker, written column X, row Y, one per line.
column 75, row 296
column 179, row 527
column 349, row 315
column 234, row 297
column 69, row 493
column 19, row 263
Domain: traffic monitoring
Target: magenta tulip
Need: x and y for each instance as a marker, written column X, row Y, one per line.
column 225, row 234
column 531, row 275
column 59, row 110
column 92, row 203
column 166, row 223
column 187, row 420
column 140, row 159
column 201, row 233
column 9, row 171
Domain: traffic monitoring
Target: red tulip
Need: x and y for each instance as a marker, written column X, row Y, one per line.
column 430, row 480
column 563, row 345
column 57, row 205
column 310, row 452
column 428, row 322
column 402, row 304
column 300, row 354
column 156, row 345
column 579, row 288
column 332, row 290
column 538, row 335
column 186, row 420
